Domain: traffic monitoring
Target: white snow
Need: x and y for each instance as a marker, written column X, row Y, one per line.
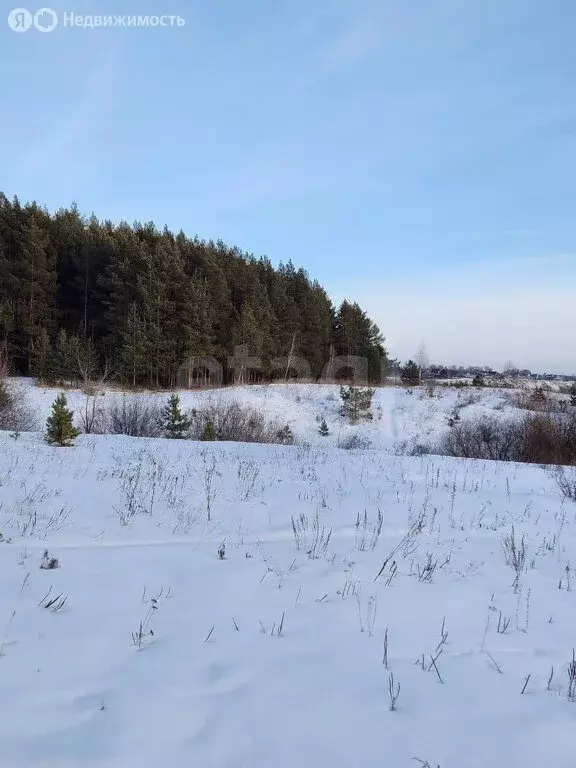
column 401, row 417
column 215, row 685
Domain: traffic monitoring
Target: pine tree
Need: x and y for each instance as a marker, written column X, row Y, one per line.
column 150, row 304
column 323, row 428
column 356, row 403
column 209, row 433
column 175, row 424
column 59, row 427
column 42, row 358
column 65, row 363
column 573, row 394
column 410, row 375
column 134, row 350
column 356, row 335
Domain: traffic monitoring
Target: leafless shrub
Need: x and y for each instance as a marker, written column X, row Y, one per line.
column 566, row 481
column 515, row 554
column 235, row 422
column 367, row 613
column 130, row 487
column 496, row 665
column 537, row 438
column 482, row 438
column 418, row 449
column 132, row 415
column 433, row 659
column 144, row 631
column 385, row 652
column 185, row 520
column 139, row 486
column 572, row 678
column 428, row 569
column 277, row 629
column 247, row 476
column 538, row 399
column 465, row 399
column 54, row 604
column 393, row 692
column 209, row 474
column 406, row 543
column 355, row 443
column 367, row 532
column 549, row 439
column 424, row 763
column 310, row 535
column 90, row 412
column 443, row 636
column 16, row 413
column 503, row 624
column 89, row 406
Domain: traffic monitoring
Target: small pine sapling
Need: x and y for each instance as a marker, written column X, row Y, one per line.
column 323, row 428
column 60, row 429
column 174, row 423
column 209, row 433
column 356, row 403
column 284, row 435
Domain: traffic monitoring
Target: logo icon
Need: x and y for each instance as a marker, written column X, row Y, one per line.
column 45, row 20
column 20, row 20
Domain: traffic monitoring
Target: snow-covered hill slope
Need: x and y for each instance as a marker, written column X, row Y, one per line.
column 401, row 418
column 158, row 652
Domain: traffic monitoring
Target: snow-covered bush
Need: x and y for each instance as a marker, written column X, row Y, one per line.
column 15, row 412
column 235, row 422
column 355, row 443
column 542, row 438
column 133, row 415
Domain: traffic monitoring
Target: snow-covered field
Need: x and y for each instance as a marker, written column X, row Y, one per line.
column 401, row 418
column 146, row 647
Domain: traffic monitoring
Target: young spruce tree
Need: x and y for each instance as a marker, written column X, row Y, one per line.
column 323, row 428
column 60, row 430
column 209, row 433
column 410, row 374
column 176, row 425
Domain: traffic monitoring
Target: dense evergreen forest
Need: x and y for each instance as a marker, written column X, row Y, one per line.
column 80, row 296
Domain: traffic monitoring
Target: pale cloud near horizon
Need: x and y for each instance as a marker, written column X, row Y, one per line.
column 480, row 314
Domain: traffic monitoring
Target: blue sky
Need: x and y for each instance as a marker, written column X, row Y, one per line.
column 417, row 156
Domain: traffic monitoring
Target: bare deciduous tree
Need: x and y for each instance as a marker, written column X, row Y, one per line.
column 421, row 358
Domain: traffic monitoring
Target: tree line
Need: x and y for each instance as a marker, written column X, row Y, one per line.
column 80, row 296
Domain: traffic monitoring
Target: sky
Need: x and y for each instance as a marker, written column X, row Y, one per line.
column 418, row 156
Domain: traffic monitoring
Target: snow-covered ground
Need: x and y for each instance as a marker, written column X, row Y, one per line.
column 273, row 655
column 401, row 417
